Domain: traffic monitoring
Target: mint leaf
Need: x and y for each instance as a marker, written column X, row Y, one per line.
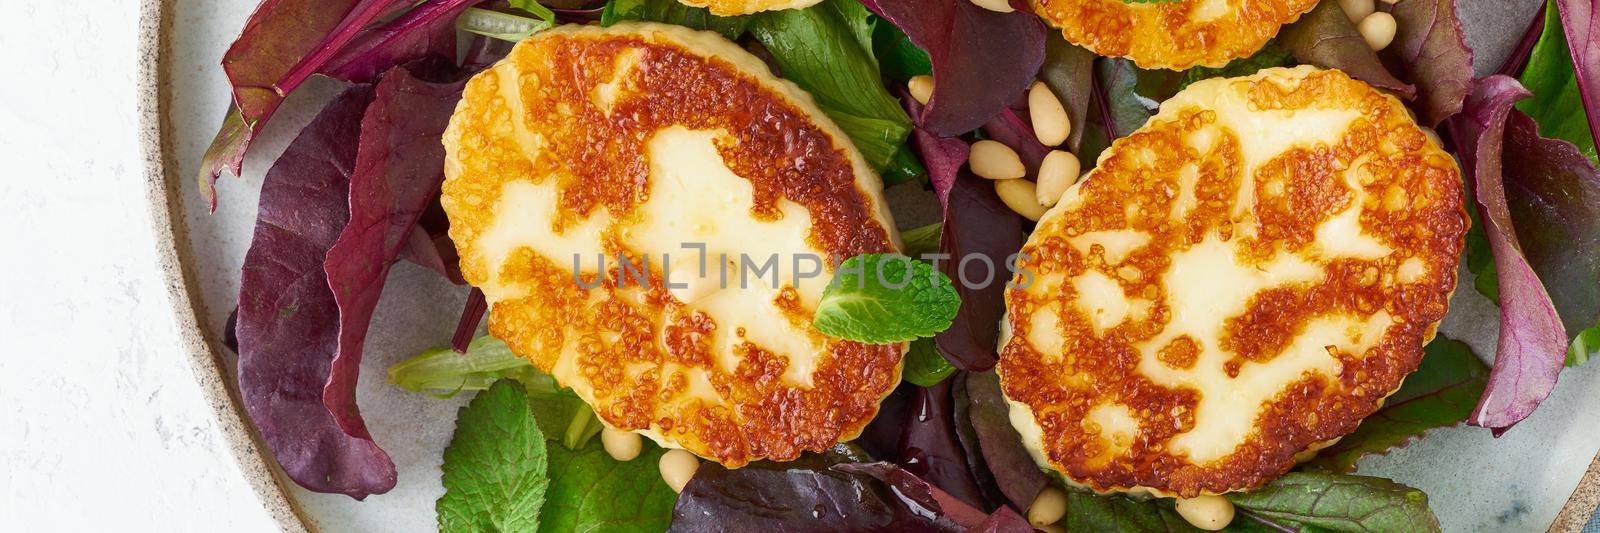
column 886, row 298
column 1442, row 392
column 494, row 469
column 924, row 366
column 589, row 491
column 1339, row 503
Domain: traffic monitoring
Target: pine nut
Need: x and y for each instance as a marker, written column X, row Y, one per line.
column 1357, row 9
column 1211, row 513
column 677, row 467
column 1057, row 172
column 1000, row 6
column 1049, row 507
column 620, row 445
column 1391, row 2
column 1378, row 30
column 995, row 161
column 1020, row 196
column 921, row 88
column 1050, row 121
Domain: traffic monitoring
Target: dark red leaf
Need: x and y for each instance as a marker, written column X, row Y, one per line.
column 288, row 318
column 1325, row 37
column 1429, row 52
column 399, row 165
column 979, row 234
column 427, row 30
column 922, row 426
column 1013, row 468
column 982, row 60
column 1532, row 345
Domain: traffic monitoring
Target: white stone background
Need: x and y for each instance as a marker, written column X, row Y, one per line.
column 101, row 424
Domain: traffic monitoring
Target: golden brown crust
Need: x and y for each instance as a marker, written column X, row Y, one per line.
column 1410, row 200
column 1173, row 35
column 729, row 8
column 637, row 350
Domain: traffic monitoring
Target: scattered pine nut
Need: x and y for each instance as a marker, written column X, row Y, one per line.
column 995, row 161
column 1357, row 9
column 1211, row 513
column 1001, row 6
column 1021, row 196
column 1057, row 172
column 620, row 445
column 921, row 88
column 1049, row 507
column 677, row 467
column 1378, row 30
column 1051, row 124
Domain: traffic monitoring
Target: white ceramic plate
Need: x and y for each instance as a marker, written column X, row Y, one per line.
column 1527, row 481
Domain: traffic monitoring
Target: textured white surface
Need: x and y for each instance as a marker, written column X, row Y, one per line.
column 102, row 427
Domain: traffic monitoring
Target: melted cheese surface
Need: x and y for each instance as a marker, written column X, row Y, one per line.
column 593, row 167
column 1172, row 34
column 1231, row 286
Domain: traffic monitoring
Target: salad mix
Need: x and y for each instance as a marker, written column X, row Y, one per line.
column 358, row 190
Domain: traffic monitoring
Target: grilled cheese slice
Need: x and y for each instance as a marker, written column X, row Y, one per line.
column 729, row 8
column 617, row 193
column 1241, row 280
column 1173, row 35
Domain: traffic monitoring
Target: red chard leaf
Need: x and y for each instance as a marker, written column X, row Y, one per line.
column 1532, row 345
column 1325, row 37
column 398, row 168
column 925, row 440
column 1014, row 470
column 982, row 60
column 288, row 317
column 1583, row 39
column 1012, row 130
column 979, row 233
column 286, row 41
column 1430, row 53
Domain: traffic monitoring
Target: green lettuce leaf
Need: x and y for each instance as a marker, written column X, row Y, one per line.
column 886, row 298
column 1338, row 503
column 443, row 372
column 1092, row 512
column 495, row 475
column 827, row 49
column 673, row 12
column 924, row 366
column 1556, row 104
column 589, row 491
column 1442, row 392
column 1271, row 55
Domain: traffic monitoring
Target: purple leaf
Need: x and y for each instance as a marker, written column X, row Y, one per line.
column 979, row 235
column 917, row 494
column 982, row 60
column 1325, row 37
column 286, row 41
column 398, row 168
column 1013, row 468
column 925, row 442
column 288, row 318
column 810, row 494
column 1583, row 40
column 1532, row 345
column 1011, row 130
column 942, row 156
column 427, row 30
column 1430, row 53
column 1004, row 520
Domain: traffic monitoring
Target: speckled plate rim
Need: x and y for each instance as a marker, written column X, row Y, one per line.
column 164, row 194
column 163, row 191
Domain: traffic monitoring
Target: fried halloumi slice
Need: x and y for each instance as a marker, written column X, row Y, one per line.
column 682, row 153
column 1172, row 35
column 729, row 8
column 1240, row 281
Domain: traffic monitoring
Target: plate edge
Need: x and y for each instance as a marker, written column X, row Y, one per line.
column 162, row 193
